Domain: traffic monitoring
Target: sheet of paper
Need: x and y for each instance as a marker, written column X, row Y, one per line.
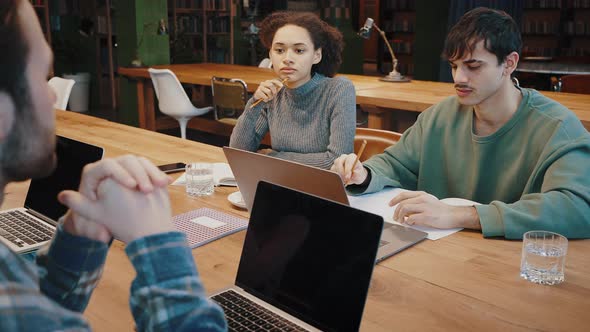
column 378, row 203
column 180, row 181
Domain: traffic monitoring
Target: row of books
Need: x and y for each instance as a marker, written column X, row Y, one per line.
column 194, row 24
column 217, row 55
column 37, row 2
column 218, row 24
column 542, row 4
column 198, row 4
column 398, row 26
column 532, row 4
column 399, row 4
column 576, row 51
column 550, row 27
column 577, row 28
column 402, row 47
column 189, row 24
column 581, row 4
column 306, row 6
column 551, row 52
column 540, row 27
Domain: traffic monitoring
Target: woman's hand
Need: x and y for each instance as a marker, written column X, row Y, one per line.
column 267, row 90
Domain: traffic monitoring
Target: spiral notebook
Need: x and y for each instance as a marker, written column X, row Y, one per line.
column 204, row 225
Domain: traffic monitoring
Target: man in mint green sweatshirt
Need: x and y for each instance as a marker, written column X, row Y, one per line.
column 525, row 157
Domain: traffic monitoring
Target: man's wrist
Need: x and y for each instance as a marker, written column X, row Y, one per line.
column 74, row 226
column 367, row 179
column 467, row 217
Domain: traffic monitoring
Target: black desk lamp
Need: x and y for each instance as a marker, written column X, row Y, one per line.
column 394, row 75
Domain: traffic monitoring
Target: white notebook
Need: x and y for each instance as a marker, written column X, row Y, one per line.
column 222, row 176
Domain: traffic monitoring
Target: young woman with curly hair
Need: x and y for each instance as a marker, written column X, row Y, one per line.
column 311, row 116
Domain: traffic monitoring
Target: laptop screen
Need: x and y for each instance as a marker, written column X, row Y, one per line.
column 310, row 257
column 72, row 156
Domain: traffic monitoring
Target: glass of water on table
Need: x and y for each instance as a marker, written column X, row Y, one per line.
column 199, row 179
column 543, row 257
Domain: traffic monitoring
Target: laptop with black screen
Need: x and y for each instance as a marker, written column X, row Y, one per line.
column 306, row 264
column 28, row 228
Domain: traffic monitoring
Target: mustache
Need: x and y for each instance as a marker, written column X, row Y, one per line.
column 463, row 86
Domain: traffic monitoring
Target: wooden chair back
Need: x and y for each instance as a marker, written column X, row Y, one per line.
column 377, row 141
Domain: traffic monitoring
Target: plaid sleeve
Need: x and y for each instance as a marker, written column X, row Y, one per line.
column 167, row 294
column 70, row 268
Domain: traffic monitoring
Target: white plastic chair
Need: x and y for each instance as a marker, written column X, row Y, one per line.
column 265, row 63
column 62, row 88
column 172, row 98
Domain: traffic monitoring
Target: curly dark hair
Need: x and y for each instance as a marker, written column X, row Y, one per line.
column 14, row 55
column 495, row 27
column 323, row 36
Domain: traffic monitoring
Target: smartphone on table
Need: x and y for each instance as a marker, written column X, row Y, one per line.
column 172, row 168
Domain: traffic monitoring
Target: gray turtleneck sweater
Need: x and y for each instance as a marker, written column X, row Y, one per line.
column 312, row 124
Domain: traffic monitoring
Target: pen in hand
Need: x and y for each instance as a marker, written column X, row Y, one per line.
column 260, row 100
column 358, row 156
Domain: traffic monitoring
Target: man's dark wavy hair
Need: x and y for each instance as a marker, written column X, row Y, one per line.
column 498, row 30
column 323, row 36
column 14, row 55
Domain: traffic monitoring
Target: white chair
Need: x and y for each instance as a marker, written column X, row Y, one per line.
column 62, row 88
column 172, row 98
column 265, row 63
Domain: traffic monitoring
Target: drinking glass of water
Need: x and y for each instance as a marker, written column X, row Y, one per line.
column 543, row 257
column 199, row 179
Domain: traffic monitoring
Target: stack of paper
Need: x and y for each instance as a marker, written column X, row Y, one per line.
column 378, row 203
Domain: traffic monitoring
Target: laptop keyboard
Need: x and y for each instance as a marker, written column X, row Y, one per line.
column 21, row 229
column 243, row 314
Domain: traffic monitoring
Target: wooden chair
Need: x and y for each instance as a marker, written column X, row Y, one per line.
column 575, row 83
column 377, row 141
column 229, row 98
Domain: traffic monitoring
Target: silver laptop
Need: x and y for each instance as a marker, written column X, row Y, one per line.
column 306, row 264
column 28, row 228
column 249, row 168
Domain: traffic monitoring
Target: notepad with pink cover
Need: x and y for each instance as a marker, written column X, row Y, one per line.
column 204, row 225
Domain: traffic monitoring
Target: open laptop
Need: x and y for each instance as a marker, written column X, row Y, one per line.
column 249, row 168
column 26, row 229
column 306, row 264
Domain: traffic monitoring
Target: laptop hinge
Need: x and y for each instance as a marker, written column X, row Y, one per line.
column 42, row 217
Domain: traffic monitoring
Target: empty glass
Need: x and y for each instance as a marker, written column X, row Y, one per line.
column 199, row 179
column 543, row 257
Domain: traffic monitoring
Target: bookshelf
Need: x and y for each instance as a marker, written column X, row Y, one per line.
column 201, row 30
column 106, row 67
column 398, row 20
column 42, row 9
column 556, row 29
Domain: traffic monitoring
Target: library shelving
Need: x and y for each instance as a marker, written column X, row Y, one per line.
column 201, row 30
column 42, row 9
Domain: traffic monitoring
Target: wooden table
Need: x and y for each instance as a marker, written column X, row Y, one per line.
column 459, row 283
column 382, row 99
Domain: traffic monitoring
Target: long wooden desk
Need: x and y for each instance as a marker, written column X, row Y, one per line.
column 382, row 98
column 459, row 283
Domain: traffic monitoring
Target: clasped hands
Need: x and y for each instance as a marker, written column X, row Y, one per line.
column 125, row 197
column 413, row 207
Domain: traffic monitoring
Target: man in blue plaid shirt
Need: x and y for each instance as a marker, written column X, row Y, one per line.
column 124, row 197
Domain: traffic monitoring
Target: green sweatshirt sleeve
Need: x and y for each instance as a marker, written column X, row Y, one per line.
column 399, row 164
column 561, row 206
